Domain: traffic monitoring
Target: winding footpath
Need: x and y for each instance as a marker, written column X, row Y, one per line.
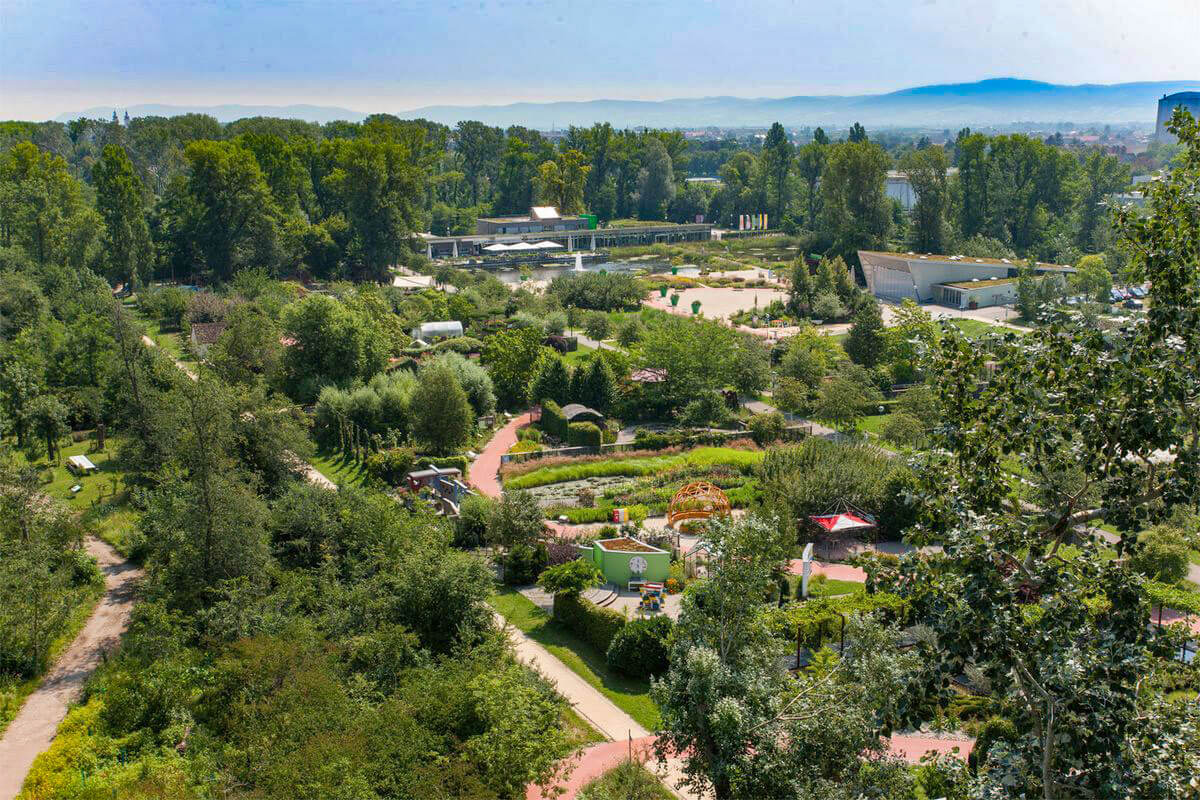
column 35, row 725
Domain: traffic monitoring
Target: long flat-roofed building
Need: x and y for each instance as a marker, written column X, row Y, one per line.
column 947, row 280
column 538, row 220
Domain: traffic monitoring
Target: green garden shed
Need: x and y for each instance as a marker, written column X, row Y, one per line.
column 625, row 558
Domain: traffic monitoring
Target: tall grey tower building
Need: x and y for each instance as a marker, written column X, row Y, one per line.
column 1166, row 107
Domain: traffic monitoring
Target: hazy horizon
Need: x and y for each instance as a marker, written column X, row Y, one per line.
column 372, row 56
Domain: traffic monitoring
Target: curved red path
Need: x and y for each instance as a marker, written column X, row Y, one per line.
column 835, row 572
column 485, row 469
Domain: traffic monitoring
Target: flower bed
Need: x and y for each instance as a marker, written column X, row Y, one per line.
column 578, row 469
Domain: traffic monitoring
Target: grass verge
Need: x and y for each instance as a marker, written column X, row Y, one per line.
column 339, row 469
column 631, row 695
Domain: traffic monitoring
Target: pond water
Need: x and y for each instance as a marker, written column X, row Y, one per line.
column 548, row 273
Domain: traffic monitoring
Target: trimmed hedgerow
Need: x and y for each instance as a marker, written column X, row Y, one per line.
column 583, row 434
column 597, row 626
column 554, row 422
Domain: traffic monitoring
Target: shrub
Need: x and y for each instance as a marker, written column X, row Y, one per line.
column 640, row 648
column 996, row 729
column 570, row 578
column 555, row 323
column 629, row 780
column 529, row 434
column 596, row 626
column 473, row 379
column 561, row 552
column 390, row 466
column 471, row 526
column 524, row 562
column 766, row 428
column 167, row 305
column 584, row 434
column 1161, row 555
column 649, row 440
column 516, row 519
column 827, row 307
column 707, row 409
column 459, row 462
column 463, row 345
column 524, row 446
column 629, row 333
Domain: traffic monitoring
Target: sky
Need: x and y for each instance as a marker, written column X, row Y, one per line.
column 58, row 56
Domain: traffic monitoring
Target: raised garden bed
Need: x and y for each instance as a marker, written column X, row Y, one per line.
column 627, row 545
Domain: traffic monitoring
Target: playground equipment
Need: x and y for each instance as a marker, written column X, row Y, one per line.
column 653, row 598
column 444, row 484
column 697, row 500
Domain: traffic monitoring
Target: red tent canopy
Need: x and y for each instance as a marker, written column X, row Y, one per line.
column 837, row 523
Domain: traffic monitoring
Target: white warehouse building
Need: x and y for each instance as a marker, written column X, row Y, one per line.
column 956, row 281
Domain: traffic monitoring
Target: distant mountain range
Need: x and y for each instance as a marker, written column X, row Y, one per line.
column 995, row 101
column 223, row 113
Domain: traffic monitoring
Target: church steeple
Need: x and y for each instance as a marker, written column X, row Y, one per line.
column 127, row 117
column 114, row 116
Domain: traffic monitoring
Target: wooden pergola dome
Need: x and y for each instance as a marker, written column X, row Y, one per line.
column 697, row 500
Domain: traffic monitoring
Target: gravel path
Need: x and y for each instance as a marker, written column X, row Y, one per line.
column 34, row 727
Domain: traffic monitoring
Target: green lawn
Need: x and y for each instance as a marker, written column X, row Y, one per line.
column 575, row 357
column 631, row 695
column 874, row 424
column 339, row 469
column 57, row 480
column 824, row 588
column 974, row 328
column 171, row 342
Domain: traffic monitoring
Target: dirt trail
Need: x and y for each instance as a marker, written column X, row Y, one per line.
column 34, row 727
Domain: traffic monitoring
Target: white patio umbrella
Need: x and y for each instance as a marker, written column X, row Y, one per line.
column 547, row 246
column 522, row 246
column 496, row 248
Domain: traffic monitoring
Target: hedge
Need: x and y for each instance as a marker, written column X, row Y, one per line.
column 554, row 422
column 444, row 462
column 584, row 434
column 459, row 344
column 596, row 626
column 390, row 466
column 583, row 516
